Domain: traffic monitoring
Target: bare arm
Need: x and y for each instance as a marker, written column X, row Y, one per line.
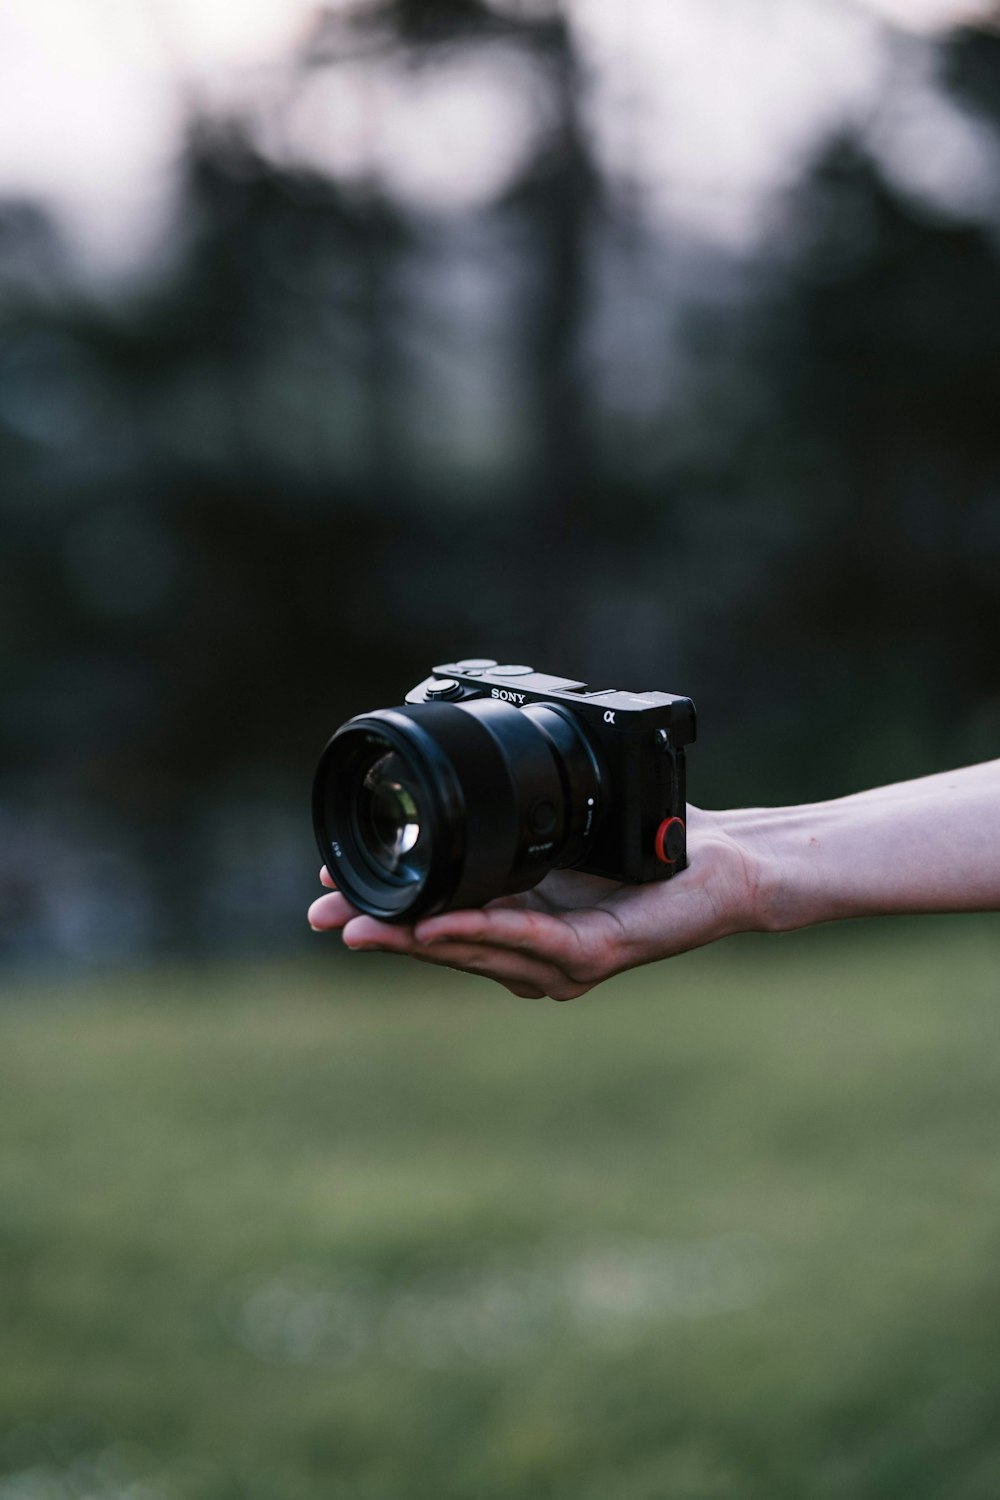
column 931, row 845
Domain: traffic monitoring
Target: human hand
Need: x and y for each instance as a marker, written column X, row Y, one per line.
column 572, row 931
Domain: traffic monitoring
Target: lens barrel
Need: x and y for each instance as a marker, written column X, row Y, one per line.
column 436, row 806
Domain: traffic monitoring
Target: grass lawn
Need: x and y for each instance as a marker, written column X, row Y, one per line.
column 728, row 1227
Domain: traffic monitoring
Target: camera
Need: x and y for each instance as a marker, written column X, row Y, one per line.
column 492, row 774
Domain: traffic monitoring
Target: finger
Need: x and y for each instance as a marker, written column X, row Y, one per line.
column 547, row 938
column 325, row 878
column 367, row 933
column 327, row 913
column 522, row 975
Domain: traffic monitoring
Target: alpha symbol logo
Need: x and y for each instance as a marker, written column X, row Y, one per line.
column 507, row 695
column 609, row 716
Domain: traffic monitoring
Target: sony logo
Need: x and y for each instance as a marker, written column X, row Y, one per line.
column 507, row 695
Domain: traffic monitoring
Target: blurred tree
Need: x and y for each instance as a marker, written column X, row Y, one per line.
column 239, row 503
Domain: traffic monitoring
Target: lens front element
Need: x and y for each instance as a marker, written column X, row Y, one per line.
column 388, row 817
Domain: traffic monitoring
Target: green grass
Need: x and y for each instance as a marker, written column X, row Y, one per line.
column 728, row 1227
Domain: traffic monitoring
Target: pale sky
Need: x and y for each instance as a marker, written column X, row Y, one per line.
column 710, row 106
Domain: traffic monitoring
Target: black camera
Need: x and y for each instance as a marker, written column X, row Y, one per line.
column 491, row 775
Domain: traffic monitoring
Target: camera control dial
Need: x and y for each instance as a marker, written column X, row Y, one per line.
column 670, row 840
column 444, row 687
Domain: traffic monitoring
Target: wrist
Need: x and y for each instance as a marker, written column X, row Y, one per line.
column 784, row 850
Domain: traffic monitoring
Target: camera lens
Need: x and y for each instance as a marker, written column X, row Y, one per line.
column 438, row 805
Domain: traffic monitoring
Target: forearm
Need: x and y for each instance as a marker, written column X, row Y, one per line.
column 931, row 845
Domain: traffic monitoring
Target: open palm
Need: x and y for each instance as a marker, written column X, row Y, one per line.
column 572, row 931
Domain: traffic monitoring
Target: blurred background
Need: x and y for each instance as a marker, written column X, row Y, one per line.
column 657, row 345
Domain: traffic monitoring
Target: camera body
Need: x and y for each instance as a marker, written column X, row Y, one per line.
column 638, row 739
column 489, row 776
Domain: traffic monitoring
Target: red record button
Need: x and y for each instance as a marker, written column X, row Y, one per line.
column 669, row 840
